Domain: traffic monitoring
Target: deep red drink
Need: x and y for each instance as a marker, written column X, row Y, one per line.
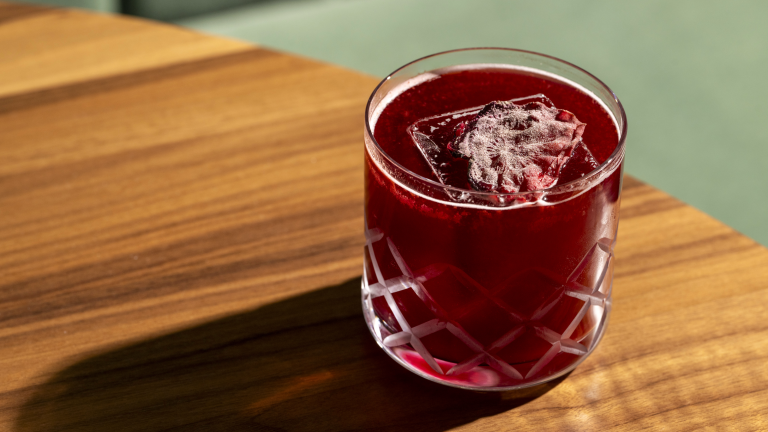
column 478, row 289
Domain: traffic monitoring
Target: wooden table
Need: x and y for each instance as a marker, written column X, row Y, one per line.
column 181, row 248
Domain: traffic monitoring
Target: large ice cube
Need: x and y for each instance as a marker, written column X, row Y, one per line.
column 501, row 157
column 432, row 136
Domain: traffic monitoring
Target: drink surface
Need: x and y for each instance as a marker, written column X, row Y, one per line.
column 462, row 89
column 507, row 288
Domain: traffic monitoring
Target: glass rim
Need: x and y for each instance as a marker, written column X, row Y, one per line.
column 557, row 188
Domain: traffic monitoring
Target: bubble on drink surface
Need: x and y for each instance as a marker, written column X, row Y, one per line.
column 513, row 148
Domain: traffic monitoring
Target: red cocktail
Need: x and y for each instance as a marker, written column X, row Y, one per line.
column 466, row 283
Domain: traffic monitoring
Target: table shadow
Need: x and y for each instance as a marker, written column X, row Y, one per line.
column 305, row 363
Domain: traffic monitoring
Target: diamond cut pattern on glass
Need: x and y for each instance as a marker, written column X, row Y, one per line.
column 485, row 320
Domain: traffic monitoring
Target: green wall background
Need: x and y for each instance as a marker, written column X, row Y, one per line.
column 98, row 5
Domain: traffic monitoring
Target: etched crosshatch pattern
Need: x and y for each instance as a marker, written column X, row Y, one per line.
column 486, row 342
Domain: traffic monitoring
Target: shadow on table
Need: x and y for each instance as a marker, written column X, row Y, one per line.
column 305, row 363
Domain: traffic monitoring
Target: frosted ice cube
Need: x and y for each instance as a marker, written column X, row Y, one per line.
column 508, row 172
column 433, row 135
column 517, row 147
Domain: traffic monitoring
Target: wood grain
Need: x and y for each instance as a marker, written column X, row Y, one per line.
column 182, row 237
column 12, row 11
column 47, row 47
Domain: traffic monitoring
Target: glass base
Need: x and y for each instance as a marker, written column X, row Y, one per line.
column 485, row 371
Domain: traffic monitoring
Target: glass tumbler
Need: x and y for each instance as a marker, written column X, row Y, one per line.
column 487, row 290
